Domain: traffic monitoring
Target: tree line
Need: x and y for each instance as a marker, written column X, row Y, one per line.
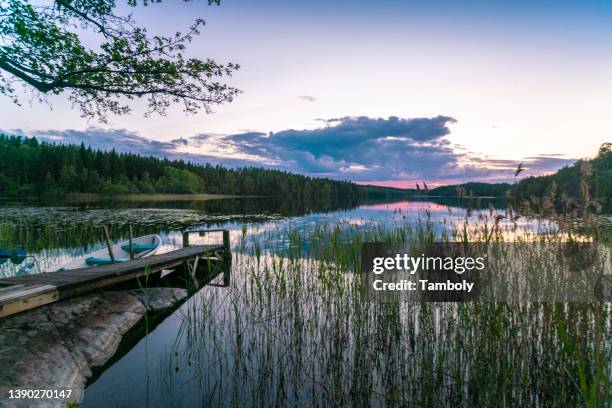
column 29, row 167
column 472, row 189
column 586, row 182
column 33, row 168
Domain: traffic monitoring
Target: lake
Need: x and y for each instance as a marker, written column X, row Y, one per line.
column 55, row 235
column 283, row 327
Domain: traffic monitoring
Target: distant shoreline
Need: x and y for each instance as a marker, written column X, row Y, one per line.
column 91, row 197
column 443, row 196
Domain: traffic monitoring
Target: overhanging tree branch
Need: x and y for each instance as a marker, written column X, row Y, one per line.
column 40, row 47
column 39, row 85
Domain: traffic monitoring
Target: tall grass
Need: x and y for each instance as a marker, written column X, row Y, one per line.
column 296, row 330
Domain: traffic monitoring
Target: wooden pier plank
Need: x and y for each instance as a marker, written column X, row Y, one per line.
column 26, row 297
column 76, row 276
column 21, row 293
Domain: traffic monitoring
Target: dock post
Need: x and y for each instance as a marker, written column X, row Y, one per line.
column 131, row 244
column 226, row 244
column 108, row 245
column 185, row 239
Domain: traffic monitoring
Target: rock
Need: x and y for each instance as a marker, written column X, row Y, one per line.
column 155, row 303
column 56, row 346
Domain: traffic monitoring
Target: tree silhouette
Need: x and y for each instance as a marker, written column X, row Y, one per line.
column 41, row 47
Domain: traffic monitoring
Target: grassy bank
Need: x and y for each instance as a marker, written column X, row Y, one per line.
column 92, row 198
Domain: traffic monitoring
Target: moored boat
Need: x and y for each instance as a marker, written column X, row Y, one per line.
column 141, row 247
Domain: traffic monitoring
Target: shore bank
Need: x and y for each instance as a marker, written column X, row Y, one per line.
column 93, row 198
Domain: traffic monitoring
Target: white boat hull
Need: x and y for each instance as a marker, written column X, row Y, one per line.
column 151, row 242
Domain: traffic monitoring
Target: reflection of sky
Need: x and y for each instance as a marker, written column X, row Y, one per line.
column 408, row 206
column 441, row 218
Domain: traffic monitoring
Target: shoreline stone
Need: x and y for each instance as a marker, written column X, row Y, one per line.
column 57, row 346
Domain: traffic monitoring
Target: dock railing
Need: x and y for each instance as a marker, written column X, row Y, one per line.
column 204, row 232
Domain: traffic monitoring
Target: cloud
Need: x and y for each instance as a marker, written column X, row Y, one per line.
column 356, row 148
column 308, row 98
column 180, row 141
column 120, row 139
column 125, row 141
column 503, row 170
column 546, row 163
column 360, row 149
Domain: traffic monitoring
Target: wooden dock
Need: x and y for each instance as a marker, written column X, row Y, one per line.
column 20, row 293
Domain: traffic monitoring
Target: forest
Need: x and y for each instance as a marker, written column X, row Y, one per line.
column 32, row 168
column 471, row 190
column 587, row 181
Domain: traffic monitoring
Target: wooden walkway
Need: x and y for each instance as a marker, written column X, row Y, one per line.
column 19, row 293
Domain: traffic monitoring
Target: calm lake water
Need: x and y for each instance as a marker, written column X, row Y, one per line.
column 188, row 357
column 55, row 235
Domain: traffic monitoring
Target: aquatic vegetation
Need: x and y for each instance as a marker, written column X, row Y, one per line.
column 295, row 330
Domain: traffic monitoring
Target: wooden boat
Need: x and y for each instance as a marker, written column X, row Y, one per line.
column 141, row 247
column 18, row 255
column 4, row 255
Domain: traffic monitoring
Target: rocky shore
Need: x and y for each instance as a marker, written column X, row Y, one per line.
column 58, row 345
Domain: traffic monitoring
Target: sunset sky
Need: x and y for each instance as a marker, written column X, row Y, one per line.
column 385, row 92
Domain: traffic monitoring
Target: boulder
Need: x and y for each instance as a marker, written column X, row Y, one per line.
column 56, row 346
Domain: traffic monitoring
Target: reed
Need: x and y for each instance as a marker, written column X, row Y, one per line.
column 295, row 330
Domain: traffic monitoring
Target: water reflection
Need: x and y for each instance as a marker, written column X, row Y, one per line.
column 53, row 236
column 302, row 338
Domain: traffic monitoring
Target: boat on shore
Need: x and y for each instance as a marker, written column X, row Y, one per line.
column 142, row 247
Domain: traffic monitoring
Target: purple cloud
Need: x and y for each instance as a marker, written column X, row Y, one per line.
column 361, row 149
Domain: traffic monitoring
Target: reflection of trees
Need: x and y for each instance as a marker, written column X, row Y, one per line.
column 465, row 202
